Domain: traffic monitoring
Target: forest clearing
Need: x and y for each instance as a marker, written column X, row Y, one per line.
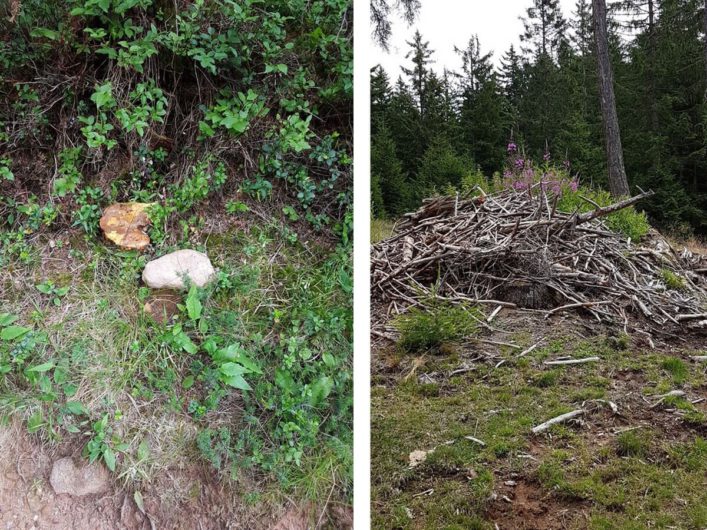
column 527, row 387
column 175, row 264
column 538, row 267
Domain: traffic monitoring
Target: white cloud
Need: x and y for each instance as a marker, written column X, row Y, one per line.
column 449, row 23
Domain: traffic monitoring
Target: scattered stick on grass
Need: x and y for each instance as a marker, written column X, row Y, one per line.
column 528, row 350
column 493, row 314
column 558, row 419
column 699, row 358
column 662, row 397
column 476, row 440
column 573, row 361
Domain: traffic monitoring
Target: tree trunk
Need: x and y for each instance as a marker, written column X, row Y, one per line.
column 618, row 184
column 704, row 22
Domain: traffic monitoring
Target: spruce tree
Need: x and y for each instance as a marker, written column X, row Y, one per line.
column 420, row 54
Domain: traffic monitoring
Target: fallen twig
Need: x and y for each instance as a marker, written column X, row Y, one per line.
column 558, row 419
column 573, row 361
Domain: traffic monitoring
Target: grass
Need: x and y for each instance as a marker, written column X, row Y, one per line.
column 601, row 474
column 285, row 305
column 673, row 281
column 381, row 229
column 426, row 329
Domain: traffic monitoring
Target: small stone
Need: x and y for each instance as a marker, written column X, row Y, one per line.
column 88, row 480
column 170, row 271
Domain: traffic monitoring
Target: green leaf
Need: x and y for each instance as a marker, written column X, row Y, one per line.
column 6, row 319
column 232, row 369
column 321, row 390
column 42, row 367
column 193, row 303
column 14, row 332
column 35, row 422
column 143, row 450
column 44, row 288
column 46, row 33
column 188, row 382
column 137, row 497
column 109, row 457
column 236, row 381
column 236, row 353
column 75, row 407
column 345, row 281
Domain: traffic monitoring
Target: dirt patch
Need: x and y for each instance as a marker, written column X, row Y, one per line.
column 177, row 499
column 527, row 506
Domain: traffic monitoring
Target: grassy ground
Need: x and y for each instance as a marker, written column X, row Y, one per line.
column 94, row 372
column 381, row 229
column 645, row 467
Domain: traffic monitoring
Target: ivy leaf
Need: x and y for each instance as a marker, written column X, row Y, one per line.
column 13, row 332
column 193, row 303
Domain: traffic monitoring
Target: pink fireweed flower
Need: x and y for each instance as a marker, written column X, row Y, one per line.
column 512, row 147
column 546, row 156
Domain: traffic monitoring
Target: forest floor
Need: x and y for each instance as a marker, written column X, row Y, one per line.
column 113, row 361
column 644, row 466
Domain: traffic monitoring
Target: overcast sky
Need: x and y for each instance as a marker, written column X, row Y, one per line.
column 449, row 23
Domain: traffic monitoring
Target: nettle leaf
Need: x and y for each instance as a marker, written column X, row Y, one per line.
column 193, row 303
column 14, row 332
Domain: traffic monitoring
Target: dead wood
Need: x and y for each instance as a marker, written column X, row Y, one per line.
column 515, row 249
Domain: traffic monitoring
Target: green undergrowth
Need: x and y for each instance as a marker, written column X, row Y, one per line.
column 253, row 377
column 431, row 327
column 625, row 473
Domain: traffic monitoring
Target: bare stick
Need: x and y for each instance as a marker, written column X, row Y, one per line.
column 476, row 440
column 695, row 316
column 573, row 361
column 558, row 419
column 493, row 314
column 527, row 351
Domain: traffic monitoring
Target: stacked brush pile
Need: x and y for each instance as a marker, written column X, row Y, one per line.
column 516, row 249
